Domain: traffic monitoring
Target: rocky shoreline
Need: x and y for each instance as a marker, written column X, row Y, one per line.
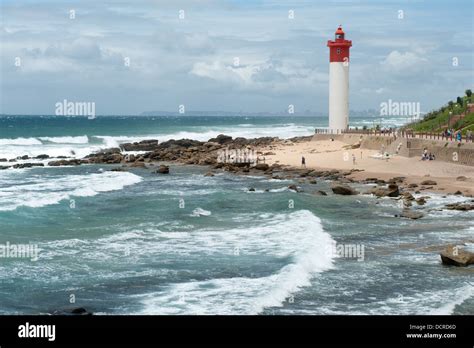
column 218, row 154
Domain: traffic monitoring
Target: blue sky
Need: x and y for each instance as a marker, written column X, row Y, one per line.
column 191, row 61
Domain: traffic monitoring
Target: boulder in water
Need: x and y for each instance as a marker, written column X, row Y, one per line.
column 342, row 189
column 163, row 169
column 456, row 256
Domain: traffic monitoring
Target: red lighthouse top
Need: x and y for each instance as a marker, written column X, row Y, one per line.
column 339, row 47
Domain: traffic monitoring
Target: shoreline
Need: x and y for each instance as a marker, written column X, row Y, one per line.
column 282, row 155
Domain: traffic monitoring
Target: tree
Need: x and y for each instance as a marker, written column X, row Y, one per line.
column 468, row 93
column 459, row 101
column 450, row 103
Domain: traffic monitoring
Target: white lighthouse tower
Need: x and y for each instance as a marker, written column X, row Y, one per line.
column 339, row 82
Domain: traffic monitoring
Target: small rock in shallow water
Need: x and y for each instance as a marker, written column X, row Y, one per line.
column 163, row 169
column 456, row 256
column 410, row 214
column 342, row 189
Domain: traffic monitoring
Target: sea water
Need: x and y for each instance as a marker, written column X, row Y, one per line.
column 137, row 242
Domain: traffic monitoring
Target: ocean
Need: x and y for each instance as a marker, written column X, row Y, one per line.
column 136, row 242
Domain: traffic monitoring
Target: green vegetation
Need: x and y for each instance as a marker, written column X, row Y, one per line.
column 454, row 115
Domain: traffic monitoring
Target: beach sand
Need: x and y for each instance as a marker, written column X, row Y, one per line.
column 327, row 154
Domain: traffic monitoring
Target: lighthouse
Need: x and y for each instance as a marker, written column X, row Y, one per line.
column 339, row 82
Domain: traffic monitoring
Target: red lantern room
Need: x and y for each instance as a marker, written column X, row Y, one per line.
column 339, row 48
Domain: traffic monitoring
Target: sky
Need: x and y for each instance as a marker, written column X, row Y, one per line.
column 135, row 56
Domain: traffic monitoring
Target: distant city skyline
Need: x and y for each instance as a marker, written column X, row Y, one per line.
column 134, row 57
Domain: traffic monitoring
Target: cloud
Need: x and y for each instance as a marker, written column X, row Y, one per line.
column 404, row 61
column 182, row 61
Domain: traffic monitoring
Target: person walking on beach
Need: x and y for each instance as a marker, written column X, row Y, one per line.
column 353, row 159
column 303, row 162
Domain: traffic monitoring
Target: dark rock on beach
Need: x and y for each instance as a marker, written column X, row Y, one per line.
column 262, row 166
column 428, row 182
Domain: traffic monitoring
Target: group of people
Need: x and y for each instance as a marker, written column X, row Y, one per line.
column 457, row 135
column 427, row 156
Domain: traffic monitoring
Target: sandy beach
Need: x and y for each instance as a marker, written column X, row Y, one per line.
column 327, row 154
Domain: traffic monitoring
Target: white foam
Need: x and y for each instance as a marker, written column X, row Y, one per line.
column 67, row 140
column 297, row 235
column 20, row 141
column 48, row 191
column 200, row 212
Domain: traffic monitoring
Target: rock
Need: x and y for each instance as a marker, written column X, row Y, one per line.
column 252, row 189
column 130, row 158
column 295, row 188
column 24, row 157
column 163, row 169
column 138, row 164
column 262, row 166
column 420, row 201
column 4, row 167
column 320, row 193
column 305, row 173
column 412, row 186
column 269, row 153
column 118, row 169
column 313, row 182
column 72, row 162
column 392, row 190
column 110, row 156
column 342, row 189
column 209, row 174
column 456, row 256
column 410, row 214
column 28, row 165
column 408, row 196
column 428, row 182
column 458, row 192
column 397, row 179
column 3, row 160
column 460, row 206
column 221, row 139
column 42, row 157
column 144, row 145
column 73, row 311
column 461, row 178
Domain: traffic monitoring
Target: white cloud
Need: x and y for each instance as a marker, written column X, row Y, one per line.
column 403, row 61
